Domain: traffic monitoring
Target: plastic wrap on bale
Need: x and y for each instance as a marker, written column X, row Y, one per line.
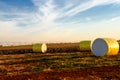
column 105, row 46
column 39, row 48
column 85, row 45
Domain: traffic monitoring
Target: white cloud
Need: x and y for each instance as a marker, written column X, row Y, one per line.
column 48, row 14
column 88, row 18
column 114, row 19
column 7, row 29
column 10, row 26
column 41, row 25
column 87, row 5
column 116, row 1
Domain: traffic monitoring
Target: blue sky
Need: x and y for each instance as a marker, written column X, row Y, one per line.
column 58, row 20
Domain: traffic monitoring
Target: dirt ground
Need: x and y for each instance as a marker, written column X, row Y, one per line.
column 72, row 66
column 96, row 73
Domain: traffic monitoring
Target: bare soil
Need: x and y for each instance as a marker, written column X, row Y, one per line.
column 96, row 73
column 65, row 66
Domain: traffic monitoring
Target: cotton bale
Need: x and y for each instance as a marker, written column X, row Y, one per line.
column 105, row 46
column 39, row 48
column 85, row 45
column 119, row 44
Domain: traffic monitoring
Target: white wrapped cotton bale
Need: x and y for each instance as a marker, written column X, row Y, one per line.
column 39, row 48
column 105, row 46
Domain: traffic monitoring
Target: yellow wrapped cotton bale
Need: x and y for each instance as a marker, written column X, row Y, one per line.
column 85, row 46
column 105, row 46
column 39, row 48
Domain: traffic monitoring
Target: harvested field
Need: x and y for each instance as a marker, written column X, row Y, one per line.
column 63, row 47
column 98, row 73
column 59, row 66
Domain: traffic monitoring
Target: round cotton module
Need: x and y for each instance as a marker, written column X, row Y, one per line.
column 105, row 46
column 39, row 48
column 44, row 48
column 85, row 45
